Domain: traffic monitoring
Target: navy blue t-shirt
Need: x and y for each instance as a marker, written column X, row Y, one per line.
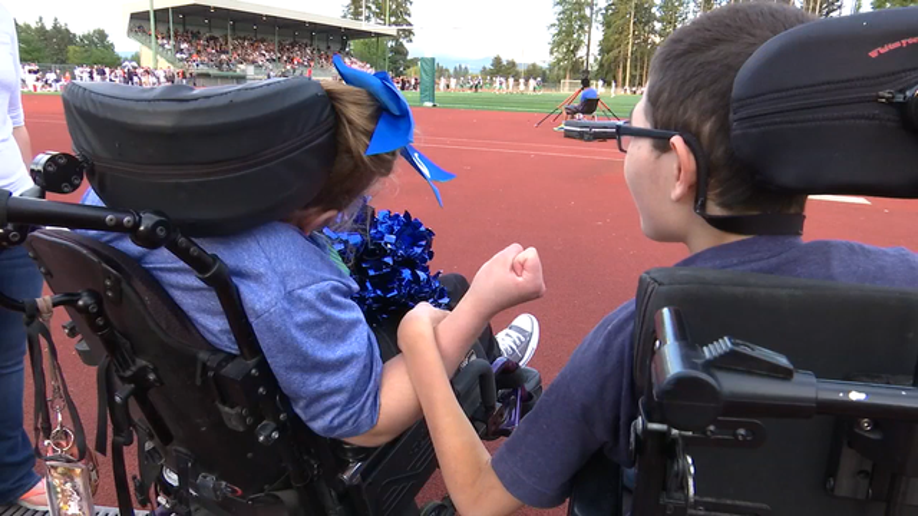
column 591, row 404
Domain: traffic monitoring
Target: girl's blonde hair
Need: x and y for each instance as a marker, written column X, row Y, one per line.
column 353, row 172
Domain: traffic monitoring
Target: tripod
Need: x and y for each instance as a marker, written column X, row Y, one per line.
column 570, row 100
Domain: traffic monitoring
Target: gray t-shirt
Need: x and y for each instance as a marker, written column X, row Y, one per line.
column 574, row 419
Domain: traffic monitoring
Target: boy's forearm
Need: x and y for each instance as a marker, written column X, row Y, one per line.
column 464, row 461
column 399, row 404
column 458, row 332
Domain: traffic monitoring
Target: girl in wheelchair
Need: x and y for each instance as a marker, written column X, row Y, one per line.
column 298, row 293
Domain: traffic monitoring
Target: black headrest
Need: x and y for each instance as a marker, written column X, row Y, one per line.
column 216, row 160
column 807, row 111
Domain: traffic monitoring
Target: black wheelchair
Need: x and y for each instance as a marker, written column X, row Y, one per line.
column 213, row 432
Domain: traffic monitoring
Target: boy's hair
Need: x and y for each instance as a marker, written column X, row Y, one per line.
column 691, row 81
column 353, row 172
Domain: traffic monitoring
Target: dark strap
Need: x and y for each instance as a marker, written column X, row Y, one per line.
column 759, row 224
column 36, row 330
column 102, row 387
column 4, row 201
column 121, row 437
column 122, row 488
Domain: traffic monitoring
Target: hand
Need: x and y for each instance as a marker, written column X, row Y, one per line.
column 417, row 326
column 510, row 277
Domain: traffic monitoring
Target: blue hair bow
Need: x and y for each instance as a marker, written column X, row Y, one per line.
column 395, row 128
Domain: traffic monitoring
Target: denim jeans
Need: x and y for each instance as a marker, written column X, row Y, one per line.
column 19, row 279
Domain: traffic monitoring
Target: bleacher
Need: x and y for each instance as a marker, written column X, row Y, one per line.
column 232, row 41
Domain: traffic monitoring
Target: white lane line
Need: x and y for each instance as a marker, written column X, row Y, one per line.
column 840, row 198
column 514, row 151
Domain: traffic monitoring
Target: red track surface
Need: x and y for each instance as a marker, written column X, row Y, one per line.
column 516, row 184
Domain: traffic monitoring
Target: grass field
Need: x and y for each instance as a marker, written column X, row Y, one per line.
column 620, row 104
column 486, row 101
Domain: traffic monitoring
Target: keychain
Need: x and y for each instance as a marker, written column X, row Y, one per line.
column 70, row 483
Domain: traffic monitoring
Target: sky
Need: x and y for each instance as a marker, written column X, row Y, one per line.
column 513, row 29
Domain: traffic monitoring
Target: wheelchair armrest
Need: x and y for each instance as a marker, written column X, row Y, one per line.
column 597, row 488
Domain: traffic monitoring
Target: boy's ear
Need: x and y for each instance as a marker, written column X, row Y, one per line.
column 686, row 170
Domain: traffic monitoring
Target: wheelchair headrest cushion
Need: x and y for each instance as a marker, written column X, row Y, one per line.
column 217, row 160
column 807, row 109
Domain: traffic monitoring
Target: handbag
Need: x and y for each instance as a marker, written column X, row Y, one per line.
column 72, row 471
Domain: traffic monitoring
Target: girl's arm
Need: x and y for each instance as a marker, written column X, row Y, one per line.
column 511, row 277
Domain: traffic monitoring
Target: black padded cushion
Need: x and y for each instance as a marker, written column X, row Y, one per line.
column 805, row 109
column 217, row 160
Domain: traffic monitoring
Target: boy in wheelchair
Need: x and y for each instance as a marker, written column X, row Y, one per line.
column 683, row 121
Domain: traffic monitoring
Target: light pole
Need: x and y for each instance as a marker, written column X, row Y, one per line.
column 153, row 34
column 387, row 41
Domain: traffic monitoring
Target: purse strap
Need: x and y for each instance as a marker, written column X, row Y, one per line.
column 37, row 313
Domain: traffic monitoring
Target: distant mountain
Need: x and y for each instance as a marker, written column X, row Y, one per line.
column 475, row 65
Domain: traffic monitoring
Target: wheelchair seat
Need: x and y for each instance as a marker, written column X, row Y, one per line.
column 195, row 408
column 254, row 151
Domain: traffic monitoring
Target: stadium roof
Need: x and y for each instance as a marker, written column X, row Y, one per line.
column 251, row 13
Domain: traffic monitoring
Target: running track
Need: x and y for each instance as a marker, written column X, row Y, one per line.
column 516, row 184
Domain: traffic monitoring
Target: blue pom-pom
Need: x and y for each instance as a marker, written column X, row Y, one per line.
column 388, row 256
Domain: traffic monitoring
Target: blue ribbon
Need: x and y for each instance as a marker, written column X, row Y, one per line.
column 395, row 128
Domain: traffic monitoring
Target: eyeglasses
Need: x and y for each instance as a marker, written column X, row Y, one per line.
column 624, row 132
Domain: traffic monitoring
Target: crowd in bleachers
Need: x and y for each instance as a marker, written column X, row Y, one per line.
column 35, row 79
column 199, row 50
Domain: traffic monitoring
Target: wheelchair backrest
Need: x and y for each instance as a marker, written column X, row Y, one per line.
column 837, row 331
column 203, row 412
column 186, row 411
column 590, row 106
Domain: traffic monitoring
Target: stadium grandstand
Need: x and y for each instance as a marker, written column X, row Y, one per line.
column 229, row 41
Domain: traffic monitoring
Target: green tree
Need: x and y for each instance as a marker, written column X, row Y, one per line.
column 671, row 15
column 94, row 48
column 568, row 37
column 58, row 45
column 31, row 48
column 353, row 10
column 57, row 41
column 384, row 12
column 613, row 47
column 534, row 70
